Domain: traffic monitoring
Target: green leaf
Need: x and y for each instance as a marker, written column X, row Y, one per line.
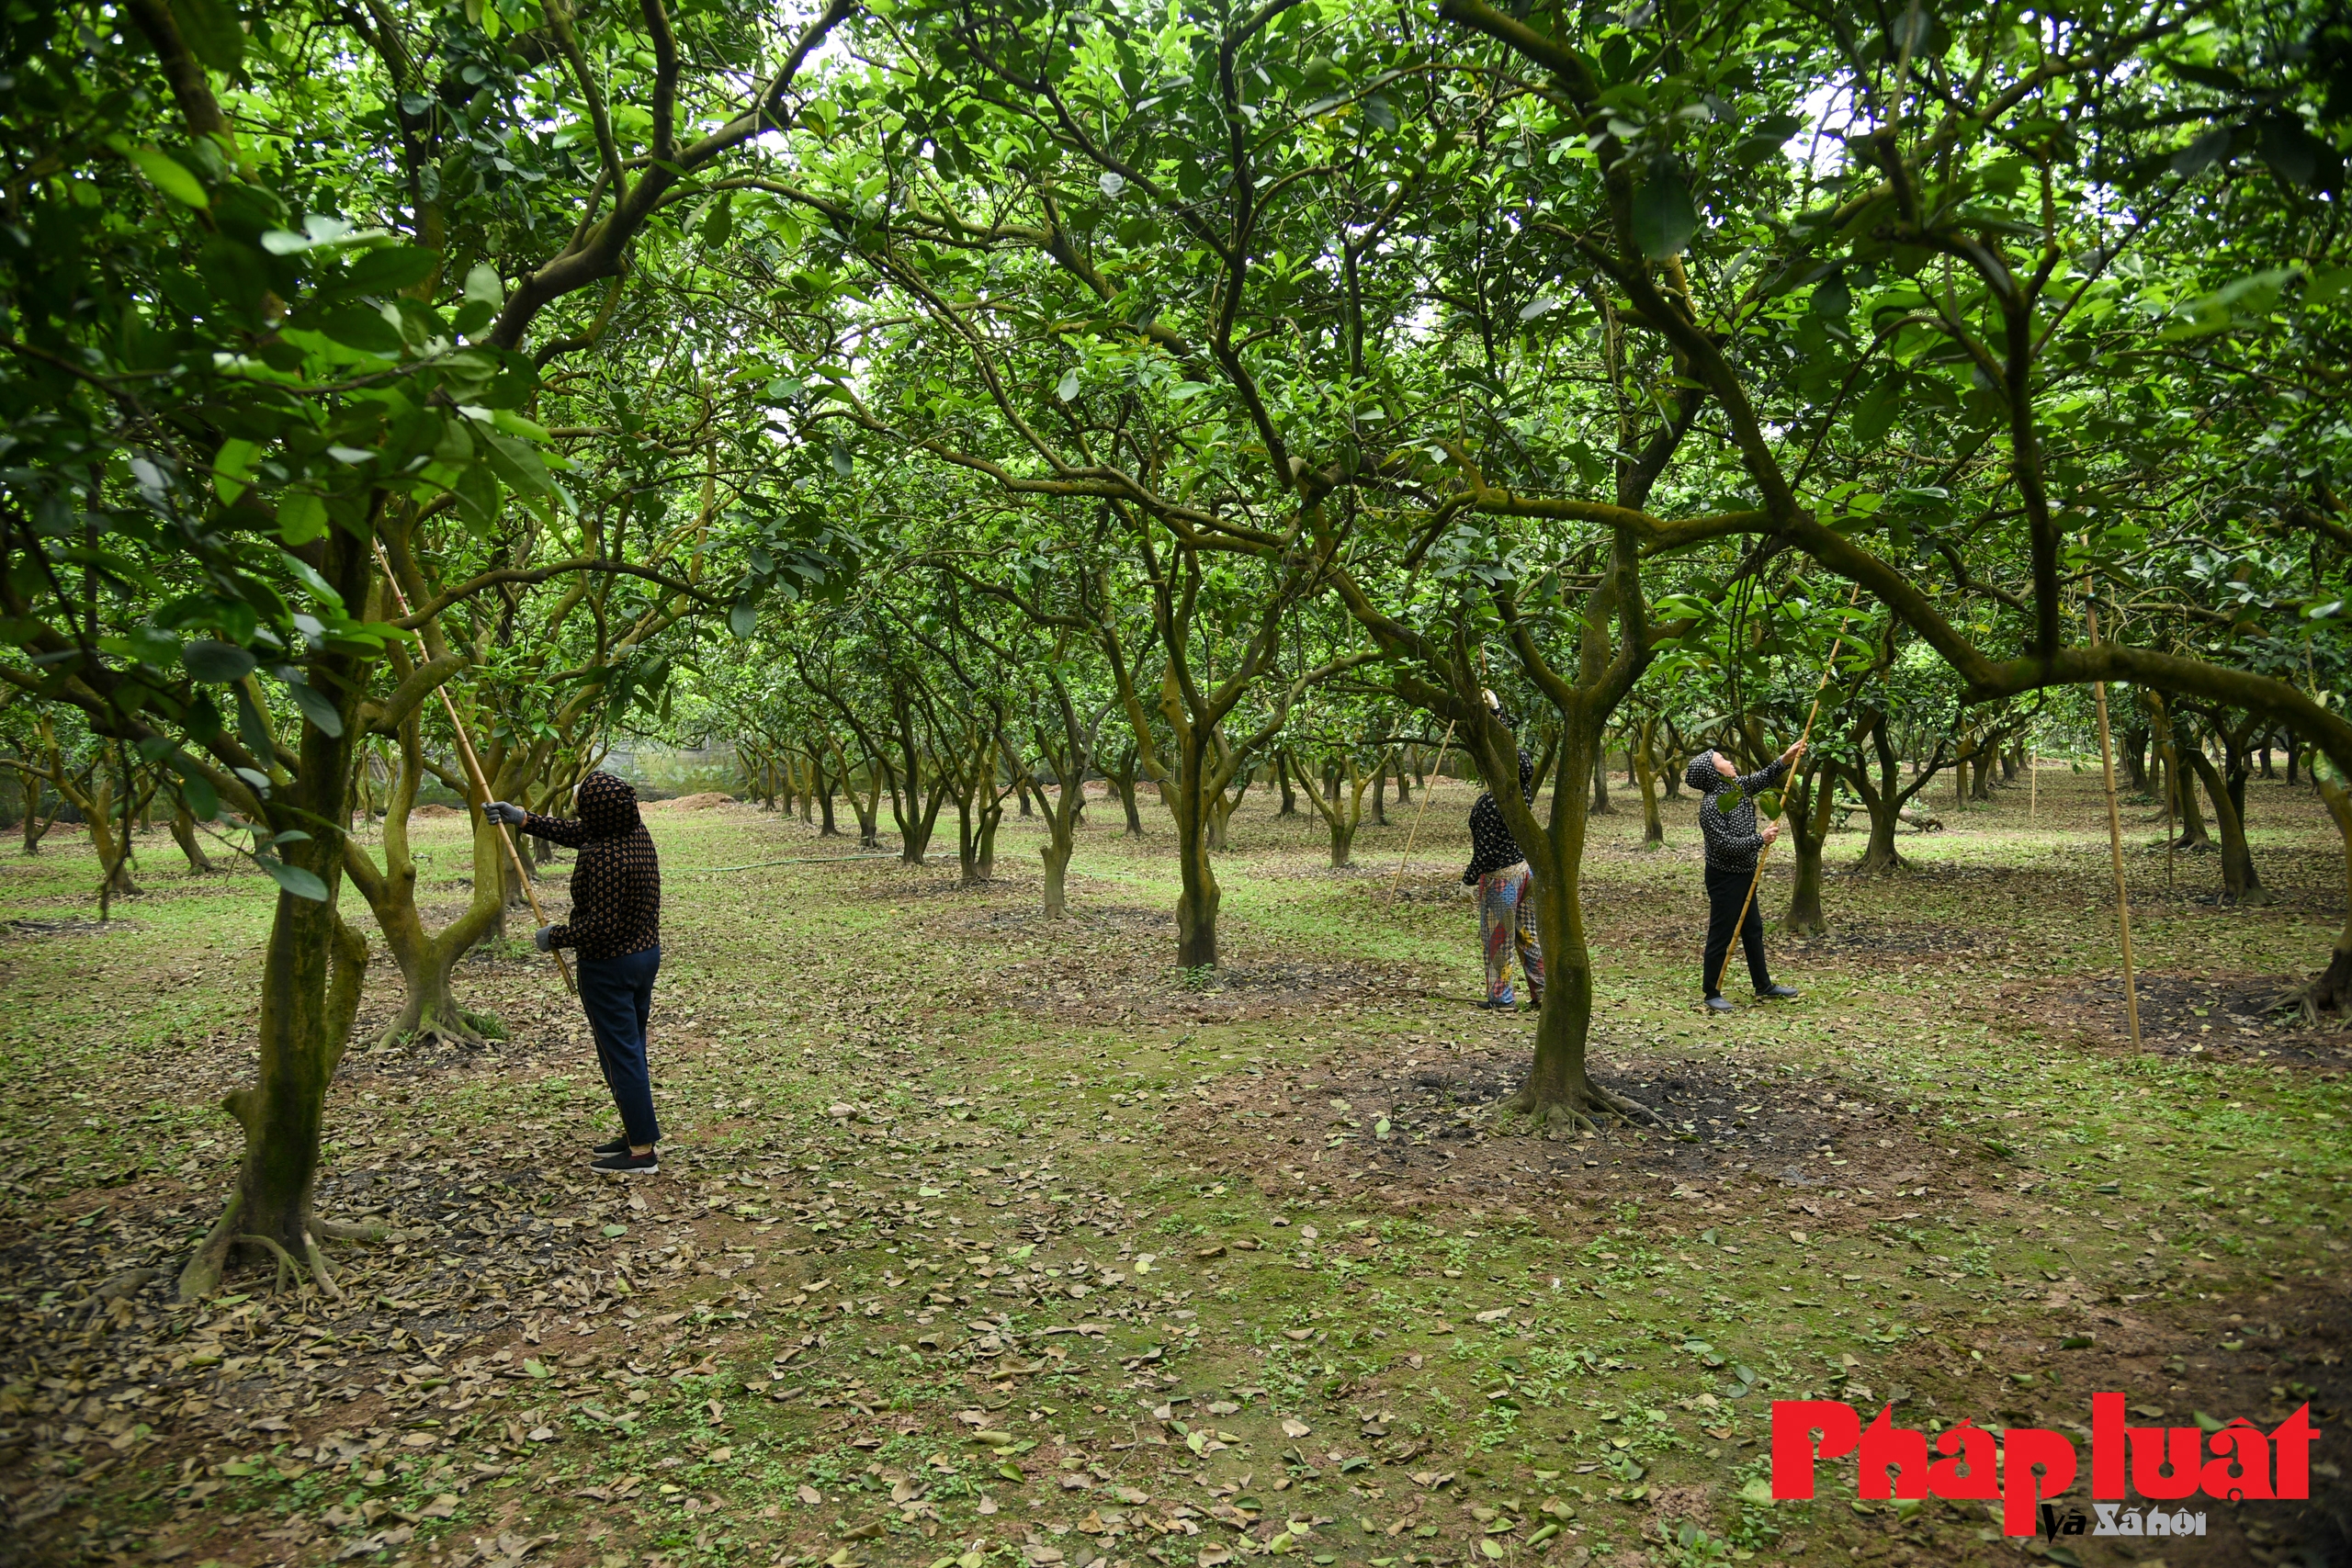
column 718, row 220
column 1874, row 414
column 2298, row 157
column 388, row 269
column 2203, row 152
column 295, row 880
column 168, row 176
column 1664, row 218
column 482, row 286
column 361, row 327
column 208, row 659
column 301, row 517
column 203, row 802
column 316, row 707
column 232, row 465
column 214, row 31
column 1068, row 389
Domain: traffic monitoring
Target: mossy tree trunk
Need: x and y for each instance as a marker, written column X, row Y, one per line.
column 1810, row 799
column 2332, row 991
column 427, row 960
column 1884, row 796
column 183, row 834
column 1645, row 770
column 1341, row 807
column 311, row 967
column 2240, row 883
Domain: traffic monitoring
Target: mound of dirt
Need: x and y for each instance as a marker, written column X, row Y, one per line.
column 436, row 811
column 702, row 802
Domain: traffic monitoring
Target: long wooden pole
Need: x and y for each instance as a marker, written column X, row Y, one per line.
column 1828, row 667
column 1427, row 790
column 2115, row 837
column 481, row 784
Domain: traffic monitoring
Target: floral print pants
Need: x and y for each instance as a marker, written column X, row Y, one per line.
column 1507, row 920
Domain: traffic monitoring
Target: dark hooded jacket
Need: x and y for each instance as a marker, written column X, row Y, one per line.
column 1733, row 841
column 1491, row 845
column 616, row 882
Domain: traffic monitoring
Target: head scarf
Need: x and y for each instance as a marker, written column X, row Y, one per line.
column 607, row 807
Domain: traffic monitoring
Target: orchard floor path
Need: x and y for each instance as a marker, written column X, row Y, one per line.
column 986, row 1237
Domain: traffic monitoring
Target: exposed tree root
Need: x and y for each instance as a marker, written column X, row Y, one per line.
column 201, row 1277
column 319, row 1269
column 341, row 1230
column 1549, row 1116
column 287, row 1266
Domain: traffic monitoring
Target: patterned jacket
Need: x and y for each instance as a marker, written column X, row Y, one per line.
column 1733, row 841
column 616, row 882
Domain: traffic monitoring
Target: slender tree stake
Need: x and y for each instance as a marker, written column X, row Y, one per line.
column 2032, row 782
column 481, row 785
column 1427, row 790
column 1828, row 667
column 2115, row 837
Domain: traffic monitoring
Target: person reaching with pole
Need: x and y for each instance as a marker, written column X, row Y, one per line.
column 1728, row 823
column 616, row 928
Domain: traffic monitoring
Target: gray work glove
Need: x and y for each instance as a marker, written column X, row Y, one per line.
column 498, row 811
column 543, row 939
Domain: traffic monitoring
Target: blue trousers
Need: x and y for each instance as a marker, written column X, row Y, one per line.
column 617, row 994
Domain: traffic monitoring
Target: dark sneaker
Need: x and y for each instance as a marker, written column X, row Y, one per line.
column 1777, row 994
column 1719, row 1004
column 627, row 1164
column 618, row 1147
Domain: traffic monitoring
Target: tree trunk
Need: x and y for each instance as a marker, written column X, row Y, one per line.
column 310, row 978
column 183, row 834
column 1290, row 795
column 35, row 825
column 2332, row 992
column 1600, row 807
column 2135, row 749
column 1810, row 797
column 427, row 960
column 2240, row 882
column 1558, row 1094
column 1645, row 771
column 2193, row 835
column 826, row 785
column 1884, row 801
column 1407, row 763
column 1123, row 781
column 1198, row 895
column 1380, row 794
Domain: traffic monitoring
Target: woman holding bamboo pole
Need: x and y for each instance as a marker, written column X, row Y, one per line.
column 616, row 928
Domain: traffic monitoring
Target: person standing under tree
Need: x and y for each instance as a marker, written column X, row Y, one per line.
column 616, row 928
column 1505, row 913
column 1727, row 822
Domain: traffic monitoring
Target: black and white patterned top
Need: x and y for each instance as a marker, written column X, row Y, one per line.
column 1733, row 841
column 617, row 881
column 1491, row 845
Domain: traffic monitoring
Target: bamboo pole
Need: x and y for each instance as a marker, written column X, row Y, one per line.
column 481, row 785
column 2115, row 837
column 1828, row 667
column 2032, row 780
column 1427, row 790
